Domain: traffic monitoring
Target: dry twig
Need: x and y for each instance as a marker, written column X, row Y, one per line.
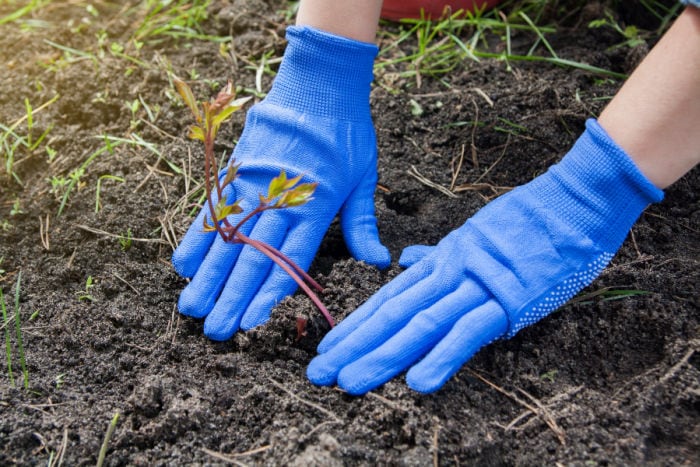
column 304, row 401
column 231, row 458
column 537, row 409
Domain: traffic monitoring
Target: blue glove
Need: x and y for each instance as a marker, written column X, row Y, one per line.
column 315, row 122
column 518, row 259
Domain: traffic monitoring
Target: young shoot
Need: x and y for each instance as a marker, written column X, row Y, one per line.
column 282, row 193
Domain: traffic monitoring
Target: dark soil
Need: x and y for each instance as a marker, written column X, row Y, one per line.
column 617, row 380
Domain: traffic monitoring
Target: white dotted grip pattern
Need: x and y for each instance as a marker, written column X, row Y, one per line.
column 561, row 294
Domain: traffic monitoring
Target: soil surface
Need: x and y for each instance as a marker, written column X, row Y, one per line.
column 601, row 382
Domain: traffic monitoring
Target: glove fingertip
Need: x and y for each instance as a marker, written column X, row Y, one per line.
column 220, row 331
column 321, row 374
column 376, row 255
column 189, row 303
column 412, row 254
column 423, row 383
column 348, row 381
column 182, row 266
column 252, row 320
column 326, row 344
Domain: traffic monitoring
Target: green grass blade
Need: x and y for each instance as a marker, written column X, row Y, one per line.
column 79, row 53
column 18, row 333
column 25, row 10
column 105, row 443
column 8, row 342
column 539, row 33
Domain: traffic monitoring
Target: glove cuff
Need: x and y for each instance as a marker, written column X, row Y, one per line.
column 598, row 176
column 324, row 75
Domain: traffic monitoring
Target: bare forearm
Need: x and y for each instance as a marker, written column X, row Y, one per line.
column 655, row 117
column 355, row 19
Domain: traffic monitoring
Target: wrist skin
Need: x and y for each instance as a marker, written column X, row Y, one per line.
column 354, row 19
column 654, row 117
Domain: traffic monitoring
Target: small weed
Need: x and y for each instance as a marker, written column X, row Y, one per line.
column 416, row 108
column 85, row 293
column 59, row 379
column 32, row 143
column 50, row 153
column 631, row 34
column 549, row 376
column 126, row 240
column 133, row 107
column 16, row 208
column 71, row 55
column 510, row 127
column 11, row 141
column 301, row 328
column 152, row 111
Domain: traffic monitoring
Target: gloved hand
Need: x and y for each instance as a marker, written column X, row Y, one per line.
column 314, row 122
column 518, row 259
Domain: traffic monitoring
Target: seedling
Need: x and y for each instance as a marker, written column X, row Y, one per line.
column 59, row 380
column 85, row 293
column 133, row 107
column 631, row 34
column 11, row 141
column 282, row 192
column 126, row 240
column 16, row 208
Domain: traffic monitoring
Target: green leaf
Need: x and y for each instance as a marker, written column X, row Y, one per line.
column 186, row 93
column 631, row 32
column 230, row 209
column 196, row 132
column 231, row 172
column 299, row 196
column 280, row 184
column 222, row 116
column 276, row 186
column 222, row 210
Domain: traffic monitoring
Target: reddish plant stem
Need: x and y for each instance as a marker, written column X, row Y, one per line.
column 235, row 232
column 304, row 275
column 208, row 150
column 270, row 253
